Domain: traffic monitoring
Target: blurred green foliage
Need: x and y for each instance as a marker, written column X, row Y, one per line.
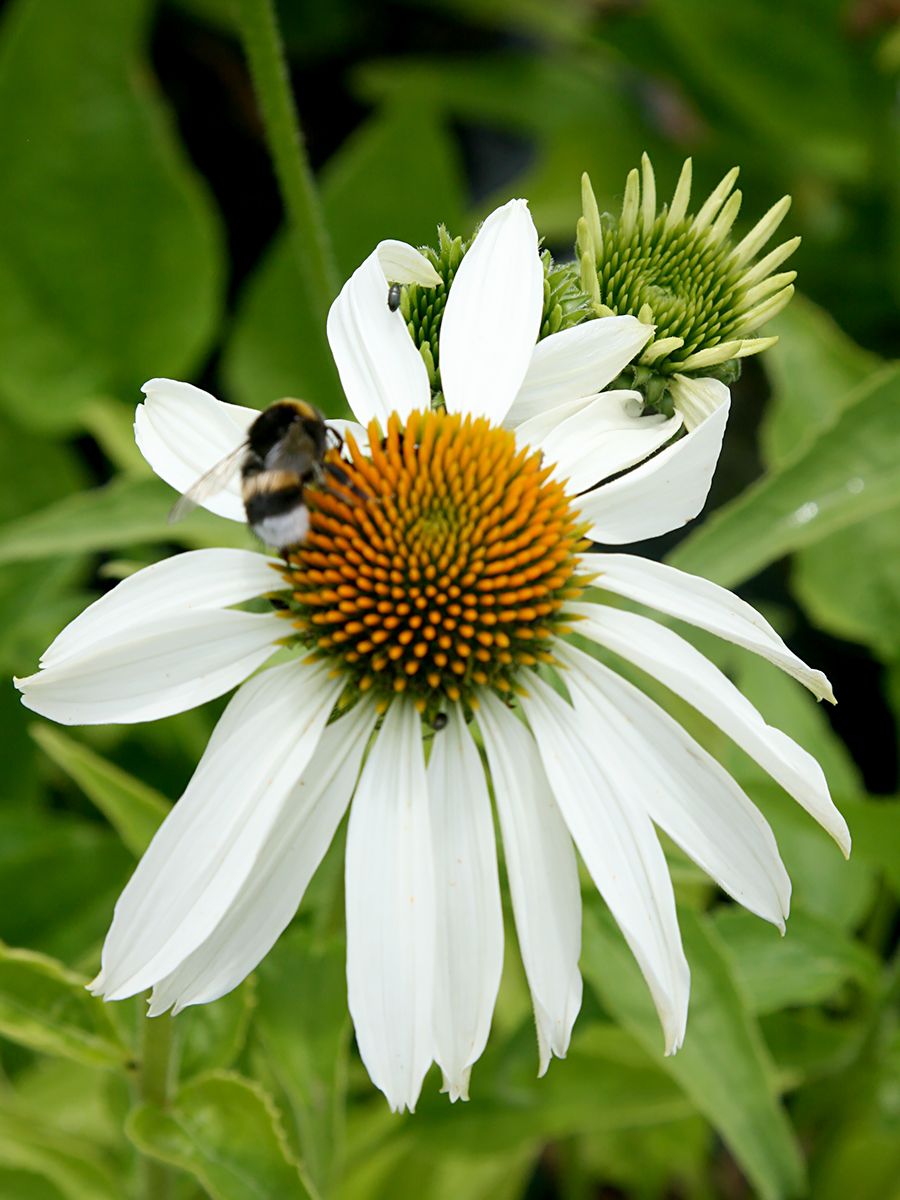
column 116, row 265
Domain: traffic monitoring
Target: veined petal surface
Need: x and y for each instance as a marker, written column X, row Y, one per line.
column 606, row 436
column 577, row 362
column 663, row 493
column 493, row 315
column 391, row 911
column 620, row 849
column 183, row 432
column 704, row 604
column 196, row 580
column 207, row 846
column 469, row 946
column 543, row 876
column 144, row 673
column 287, row 861
column 380, row 368
column 666, row 656
column 682, row 788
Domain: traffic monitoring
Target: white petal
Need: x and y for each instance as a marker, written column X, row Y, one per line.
column 664, row 493
column 208, row 845
column 698, row 399
column 194, row 581
column 620, row 849
column 184, row 432
column 579, row 361
column 401, row 263
column 469, row 948
column 391, row 913
column 286, row 863
column 704, row 604
column 380, row 368
column 358, row 432
column 165, row 667
column 606, row 436
column 543, row 875
column 493, row 315
column 681, row 787
column 680, row 666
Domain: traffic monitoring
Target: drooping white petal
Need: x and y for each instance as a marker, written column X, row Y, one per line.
column 380, row 368
column 286, row 863
column 606, row 436
column 698, row 399
column 144, row 673
column 183, row 432
column 706, row 605
column 543, row 876
column 191, row 582
column 577, row 362
column 469, row 943
column 391, row 911
column 680, row 666
column 620, row 849
column 208, row 845
column 682, row 788
column 663, row 493
column 493, row 315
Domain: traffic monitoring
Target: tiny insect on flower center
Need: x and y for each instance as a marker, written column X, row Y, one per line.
column 437, row 563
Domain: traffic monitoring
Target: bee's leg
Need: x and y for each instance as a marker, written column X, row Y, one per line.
column 344, row 481
column 338, row 438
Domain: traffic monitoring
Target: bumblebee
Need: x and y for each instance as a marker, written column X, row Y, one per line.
column 283, row 454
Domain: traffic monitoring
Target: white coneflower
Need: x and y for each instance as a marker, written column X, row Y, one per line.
column 436, row 597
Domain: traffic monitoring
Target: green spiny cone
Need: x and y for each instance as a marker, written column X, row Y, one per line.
column 683, row 273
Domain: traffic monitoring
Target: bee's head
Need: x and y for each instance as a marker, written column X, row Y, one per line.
column 286, row 417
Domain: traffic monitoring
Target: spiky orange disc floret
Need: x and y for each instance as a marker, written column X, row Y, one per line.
column 438, row 563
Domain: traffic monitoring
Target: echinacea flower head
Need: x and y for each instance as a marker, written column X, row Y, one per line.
column 682, row 271
column 443, row 635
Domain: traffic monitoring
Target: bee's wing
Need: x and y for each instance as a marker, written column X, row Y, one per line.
column 215, row 479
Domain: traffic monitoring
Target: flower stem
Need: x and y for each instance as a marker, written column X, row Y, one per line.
column 154, row 1082
column 312, row 245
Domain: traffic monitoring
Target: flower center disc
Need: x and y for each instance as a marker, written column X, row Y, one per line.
column 437, row 563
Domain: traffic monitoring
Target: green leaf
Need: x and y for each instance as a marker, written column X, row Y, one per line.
column 110, row 262
column 226, row 1132
column 846, row 475
column 814, row 369
column 875, row 825
column 824, row 883
column 133, row 809
column 211, row 1036
column 784, row 73
column 826, row 580
column 558, row 102
column 72, row 1165
column 807, row 1045
column 119, row 514
column 807, row 966
column 45, row 1006
column 26, row 1185
column 404, row 163
column 303, row 1027
column 87, row 865
column 723, row 1066
column 605, row 1082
